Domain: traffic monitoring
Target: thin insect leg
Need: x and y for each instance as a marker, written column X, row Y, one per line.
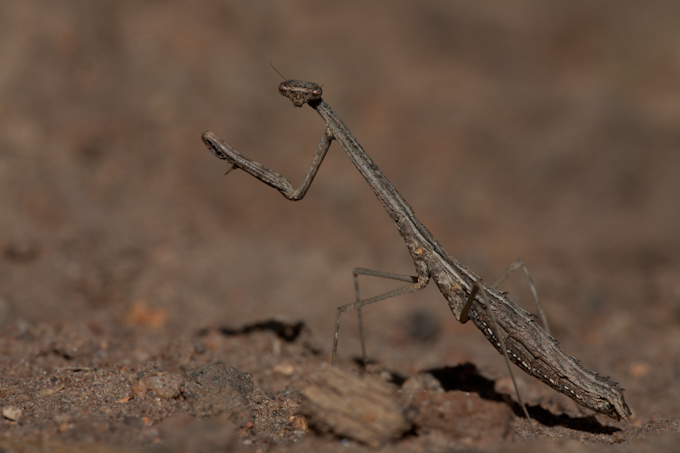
column 478, row 285
column 361, row 337
column 416, row 286
column 268, row 176
column 361, row 271
column 517, row 264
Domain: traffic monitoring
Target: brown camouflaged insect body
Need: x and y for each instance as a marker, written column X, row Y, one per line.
column 528, row 345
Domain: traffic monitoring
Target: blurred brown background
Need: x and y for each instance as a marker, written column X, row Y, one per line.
column 545, row 130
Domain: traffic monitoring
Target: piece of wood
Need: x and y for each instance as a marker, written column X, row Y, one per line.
column 365, row 409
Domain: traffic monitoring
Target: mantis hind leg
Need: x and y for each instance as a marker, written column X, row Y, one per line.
column 516, row 265
column 478, row 287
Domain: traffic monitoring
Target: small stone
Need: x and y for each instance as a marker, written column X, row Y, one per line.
column 165, row 385
column 284, row 369
column 52, row 390
column 11, row 413
column 161, row 385
column 138, row 389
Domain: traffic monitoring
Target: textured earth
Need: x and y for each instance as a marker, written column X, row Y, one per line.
column 150, row 303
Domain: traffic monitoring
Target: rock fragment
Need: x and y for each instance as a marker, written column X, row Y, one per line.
column 365, row 409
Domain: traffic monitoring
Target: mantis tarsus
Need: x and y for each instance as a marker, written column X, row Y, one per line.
column 509, row 328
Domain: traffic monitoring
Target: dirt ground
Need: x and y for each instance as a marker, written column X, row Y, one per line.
column 150, row 303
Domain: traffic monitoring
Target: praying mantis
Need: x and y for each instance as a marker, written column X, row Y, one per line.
column 510, row 329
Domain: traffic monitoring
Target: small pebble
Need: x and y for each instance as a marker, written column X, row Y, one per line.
column 163, row 385
column 284, row 369
column 52, row 390
column 11, row 413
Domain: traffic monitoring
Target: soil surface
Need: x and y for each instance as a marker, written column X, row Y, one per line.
column 150, row 303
